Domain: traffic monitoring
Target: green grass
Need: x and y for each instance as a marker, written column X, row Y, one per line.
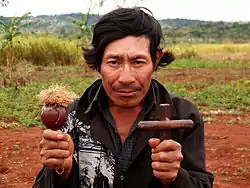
column 195, row 63
column 228, row 95
column 25, row 107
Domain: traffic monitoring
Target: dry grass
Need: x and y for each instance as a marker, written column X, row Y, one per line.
column 234, row 52
column 57, row 95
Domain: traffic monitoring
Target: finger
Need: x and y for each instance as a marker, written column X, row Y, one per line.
column 153, row 142
column 53, row 163
column 70, row 142
column 165, row 166
column 54, row 153
column 165, row 176
column 49, row 134
column 167, row 145
column 67, row 137
column 50, row 144
column 167, row 156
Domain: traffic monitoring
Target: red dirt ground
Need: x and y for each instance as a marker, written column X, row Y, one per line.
column 227, row 147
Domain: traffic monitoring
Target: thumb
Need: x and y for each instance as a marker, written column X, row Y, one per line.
column 153, row 142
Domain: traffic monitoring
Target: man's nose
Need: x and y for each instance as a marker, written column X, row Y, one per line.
column 126, row 75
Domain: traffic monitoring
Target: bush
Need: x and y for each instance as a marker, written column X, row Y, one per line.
column 45, row 51
column 188, row 52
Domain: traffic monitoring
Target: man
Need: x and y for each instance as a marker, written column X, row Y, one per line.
column 100, row 145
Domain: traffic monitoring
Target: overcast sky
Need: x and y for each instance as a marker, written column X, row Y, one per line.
column 214, row 10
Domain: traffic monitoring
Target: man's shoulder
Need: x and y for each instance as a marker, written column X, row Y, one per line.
column 87, row 97
column 180, row 101
column 184, row 107
column 73, row 105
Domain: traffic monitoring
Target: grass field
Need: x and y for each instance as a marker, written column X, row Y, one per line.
column 225, row 94
column 51, row 50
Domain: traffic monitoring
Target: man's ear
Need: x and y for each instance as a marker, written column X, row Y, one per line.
column 159, row 54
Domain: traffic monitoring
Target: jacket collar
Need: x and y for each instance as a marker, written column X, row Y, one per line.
column 95, row 98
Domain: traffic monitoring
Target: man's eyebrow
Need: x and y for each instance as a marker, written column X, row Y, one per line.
column 138, row 56
column 120, row 56
column 114, row 56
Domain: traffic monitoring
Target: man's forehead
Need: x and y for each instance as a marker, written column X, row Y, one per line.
column 122, row 54
column 128, row 41
column 128, row 46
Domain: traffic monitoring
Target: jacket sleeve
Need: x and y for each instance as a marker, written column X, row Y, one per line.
column 192, row 173
column 47, row 178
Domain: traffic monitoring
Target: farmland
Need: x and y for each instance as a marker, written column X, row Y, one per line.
column 215, row 77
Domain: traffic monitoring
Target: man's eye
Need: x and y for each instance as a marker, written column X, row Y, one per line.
column 112, row 62
column 139, row 62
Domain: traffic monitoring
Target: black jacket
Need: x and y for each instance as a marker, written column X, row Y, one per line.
column 95, row 162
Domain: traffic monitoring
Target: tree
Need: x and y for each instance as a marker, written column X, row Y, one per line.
column 13, row 71
column 4, row 3
column 10, row 30
column 85, row 29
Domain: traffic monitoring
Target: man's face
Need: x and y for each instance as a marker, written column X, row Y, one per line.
column 126, row 71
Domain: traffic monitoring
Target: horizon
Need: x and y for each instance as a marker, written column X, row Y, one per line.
column 226, row 11
column 157, row 19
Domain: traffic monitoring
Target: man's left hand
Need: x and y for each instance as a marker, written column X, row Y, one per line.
column 166, row 159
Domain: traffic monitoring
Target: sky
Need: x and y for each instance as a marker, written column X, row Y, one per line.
column 209, row 10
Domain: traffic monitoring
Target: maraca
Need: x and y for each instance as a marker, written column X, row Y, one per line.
column 54, row 113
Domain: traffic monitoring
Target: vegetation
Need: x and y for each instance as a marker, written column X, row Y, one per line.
column 9, row 31
column 201, row 63
column 225, row 95
column 51, row 51
column 85, row 30
column 24, row 105
column 44, row 51
column 40, row 51
column 12, row 28
column 209, row 32
column 175, row 30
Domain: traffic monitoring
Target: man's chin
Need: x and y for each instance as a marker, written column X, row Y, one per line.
column 127, row 104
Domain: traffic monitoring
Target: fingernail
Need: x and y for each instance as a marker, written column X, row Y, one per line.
column 155, row 139
column 60, row 136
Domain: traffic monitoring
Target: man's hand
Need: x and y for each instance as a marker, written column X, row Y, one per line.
column 56, row 149
column 166, row 159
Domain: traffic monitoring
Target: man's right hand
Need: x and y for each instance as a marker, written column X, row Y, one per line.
column 56, row 150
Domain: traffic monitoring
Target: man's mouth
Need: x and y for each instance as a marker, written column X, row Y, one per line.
column 126, row 92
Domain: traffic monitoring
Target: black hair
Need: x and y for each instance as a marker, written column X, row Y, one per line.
column 120, row 23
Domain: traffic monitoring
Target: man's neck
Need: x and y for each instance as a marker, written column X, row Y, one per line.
column 124, row 119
